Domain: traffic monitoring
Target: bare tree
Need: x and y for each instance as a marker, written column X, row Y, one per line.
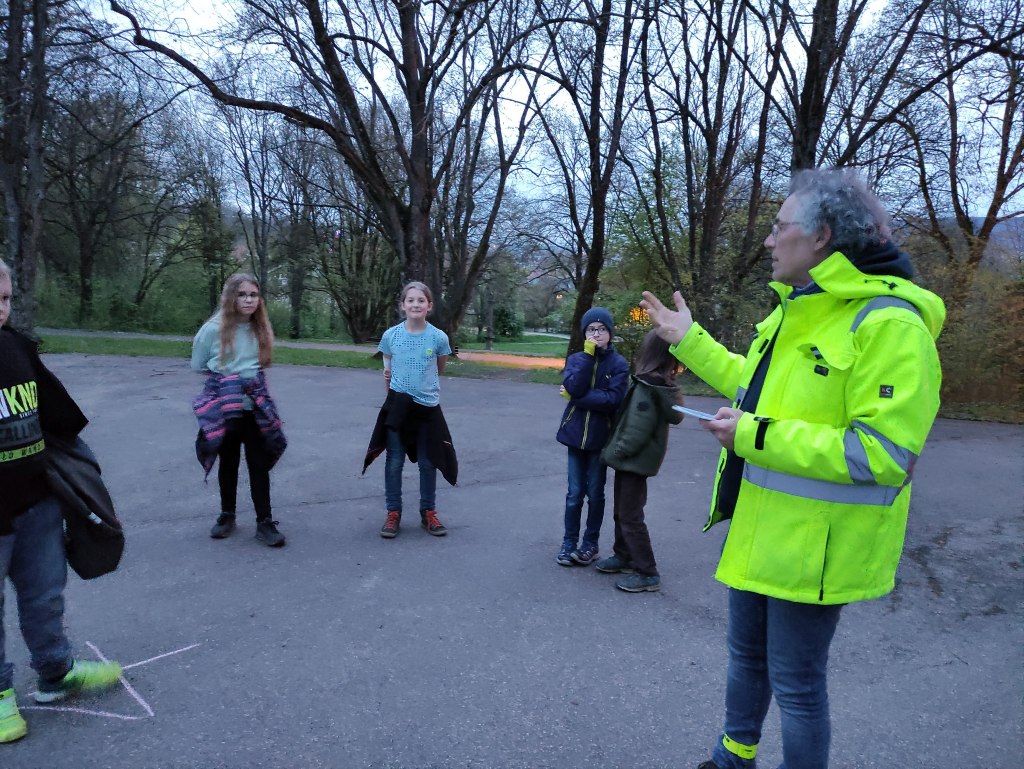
column 698, row 143
column 94, row 157
column 160, row 234
column 300, row 199
column 251, row 143
column 23, row 91
column 387, row 57
column 594, row 48
column 968, row 142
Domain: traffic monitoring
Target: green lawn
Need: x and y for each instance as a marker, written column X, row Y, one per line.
column 134, row 348
column 97, row 345
column 528, row 343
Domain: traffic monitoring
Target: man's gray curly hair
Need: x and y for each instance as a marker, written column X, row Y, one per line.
column 839, row 198
column 5, row 271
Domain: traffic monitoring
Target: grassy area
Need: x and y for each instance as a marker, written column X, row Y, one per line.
column 528, row 343
column 97, row 345
column 134, row 348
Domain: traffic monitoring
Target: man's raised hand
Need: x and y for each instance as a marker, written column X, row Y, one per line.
column 671, row 325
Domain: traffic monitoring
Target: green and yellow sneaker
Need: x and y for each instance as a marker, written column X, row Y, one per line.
column 12, row 725
column 84, row 676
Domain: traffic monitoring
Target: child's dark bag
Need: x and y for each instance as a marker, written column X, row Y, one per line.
column 93, row 536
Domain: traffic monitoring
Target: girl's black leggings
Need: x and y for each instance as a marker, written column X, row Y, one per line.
column 244, row 432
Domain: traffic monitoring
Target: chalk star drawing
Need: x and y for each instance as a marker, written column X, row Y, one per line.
column 128, row 687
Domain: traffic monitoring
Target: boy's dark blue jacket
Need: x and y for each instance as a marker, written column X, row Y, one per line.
column 597, row 384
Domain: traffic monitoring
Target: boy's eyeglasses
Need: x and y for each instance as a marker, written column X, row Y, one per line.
column 595, row 330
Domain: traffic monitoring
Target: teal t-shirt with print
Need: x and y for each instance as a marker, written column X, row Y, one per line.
column 414, row 361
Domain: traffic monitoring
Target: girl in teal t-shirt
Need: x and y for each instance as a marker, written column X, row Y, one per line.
column 415, row 353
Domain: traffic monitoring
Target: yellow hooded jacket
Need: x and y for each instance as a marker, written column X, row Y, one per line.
column 851, row 393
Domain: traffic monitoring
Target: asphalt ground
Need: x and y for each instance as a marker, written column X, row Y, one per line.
column 477, row 650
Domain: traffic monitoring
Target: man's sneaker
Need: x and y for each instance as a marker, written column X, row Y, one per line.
column 12, row 725
column 639, row 583
column 84, row 676
column 614, row 565
column 390, row 528
column 267, row 533
column 224, row 526
column 708, row 765
column 430, row 522
column 586, row 555
column 565, row 555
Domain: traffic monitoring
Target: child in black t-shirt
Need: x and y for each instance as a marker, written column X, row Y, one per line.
column 34, row 402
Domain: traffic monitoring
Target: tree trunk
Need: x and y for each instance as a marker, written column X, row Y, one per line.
column 24, row 82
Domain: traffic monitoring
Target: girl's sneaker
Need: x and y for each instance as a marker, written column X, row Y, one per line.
column 585, row 555
column 565, row 555
column 391, row 524
column 430, row 522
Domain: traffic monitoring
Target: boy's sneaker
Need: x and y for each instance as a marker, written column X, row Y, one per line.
column 430, row 522
column 267, row 533
column 84, row 676
column 586, row 555
column 565, row 555
column 708, row 765
column 639, row 583
column 12, row 725
column 224, row 526
column 390, row 528
column 614, row 565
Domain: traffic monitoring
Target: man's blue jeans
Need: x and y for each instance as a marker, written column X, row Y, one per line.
column 777, row 648
column 395, row 461
column 587, row 476
column 33, row 557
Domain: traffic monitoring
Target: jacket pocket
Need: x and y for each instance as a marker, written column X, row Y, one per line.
column 568, row 417
column 818, row 375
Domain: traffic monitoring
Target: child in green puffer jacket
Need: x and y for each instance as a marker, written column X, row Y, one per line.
column 635, row 451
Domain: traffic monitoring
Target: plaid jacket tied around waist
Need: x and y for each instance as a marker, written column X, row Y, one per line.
column 222, row 400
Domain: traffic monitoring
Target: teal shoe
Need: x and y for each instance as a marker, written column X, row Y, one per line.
column 639, row 583
column 613, row 565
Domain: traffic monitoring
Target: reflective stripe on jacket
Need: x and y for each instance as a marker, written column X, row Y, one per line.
column 851, row 393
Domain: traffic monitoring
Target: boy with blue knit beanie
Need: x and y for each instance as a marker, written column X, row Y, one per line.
column 594, row 382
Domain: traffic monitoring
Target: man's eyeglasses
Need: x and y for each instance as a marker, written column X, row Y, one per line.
column 778, row 227
column 248, row 295
column 595, row 330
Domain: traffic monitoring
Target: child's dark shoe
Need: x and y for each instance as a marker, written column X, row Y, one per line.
column 565, row 555
column 390, row 528
column 586, row 555
column 430, row 522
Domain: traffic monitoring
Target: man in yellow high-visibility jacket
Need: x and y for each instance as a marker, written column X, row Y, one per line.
column 832, row 405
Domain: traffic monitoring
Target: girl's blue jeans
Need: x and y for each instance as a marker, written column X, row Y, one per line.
column 587, row 476
column 395, row 461
column 777, row 648
column 33, row 557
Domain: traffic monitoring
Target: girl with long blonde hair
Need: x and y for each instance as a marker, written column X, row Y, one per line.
column 235, row 409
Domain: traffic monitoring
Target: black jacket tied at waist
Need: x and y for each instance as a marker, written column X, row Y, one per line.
column 400, row 412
